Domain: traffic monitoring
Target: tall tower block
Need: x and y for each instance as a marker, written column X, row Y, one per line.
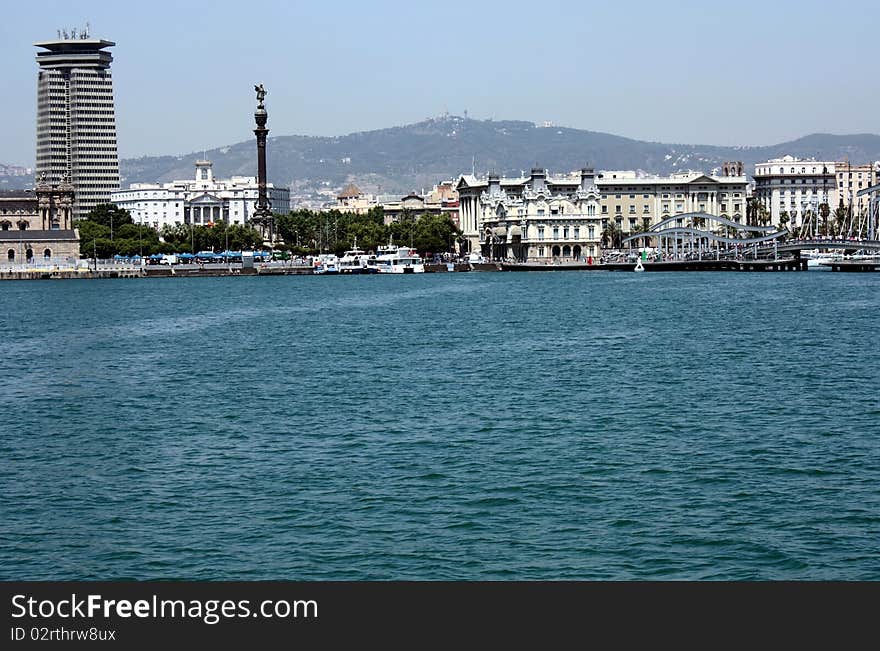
column 76, row 119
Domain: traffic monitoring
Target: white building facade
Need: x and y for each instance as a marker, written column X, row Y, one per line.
column 795, row 188
column 201, row 201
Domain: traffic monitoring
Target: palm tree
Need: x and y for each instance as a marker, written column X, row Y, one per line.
column 824, row 211
column 610, row 235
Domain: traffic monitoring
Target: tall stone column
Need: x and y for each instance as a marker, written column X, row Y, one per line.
column 262, row 218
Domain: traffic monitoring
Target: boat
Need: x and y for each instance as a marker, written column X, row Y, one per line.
column 356, row 261
column 326, row 263
column 391, row 259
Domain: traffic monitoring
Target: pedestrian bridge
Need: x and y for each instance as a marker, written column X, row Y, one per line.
column 726, row 230
column 832, row 243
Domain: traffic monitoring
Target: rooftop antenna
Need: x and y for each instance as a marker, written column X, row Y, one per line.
column 88, row 30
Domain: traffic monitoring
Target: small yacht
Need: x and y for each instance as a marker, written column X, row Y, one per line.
column 393, row 259
column 326, row 263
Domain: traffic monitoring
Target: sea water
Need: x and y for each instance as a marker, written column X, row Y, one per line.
column 566, row 425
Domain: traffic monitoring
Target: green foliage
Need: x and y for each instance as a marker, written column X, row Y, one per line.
column 191, row 238
column 306, row 231
column 110, row 215
column 611, row 235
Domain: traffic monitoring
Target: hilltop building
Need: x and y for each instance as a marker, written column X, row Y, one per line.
column 202, row 200
column 76, row 123
column 542, row 217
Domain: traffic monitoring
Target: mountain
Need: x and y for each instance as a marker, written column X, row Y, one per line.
column 401, row 159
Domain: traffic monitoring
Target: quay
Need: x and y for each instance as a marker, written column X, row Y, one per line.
column 787, row 264
column 796, row 263
column 853, row 265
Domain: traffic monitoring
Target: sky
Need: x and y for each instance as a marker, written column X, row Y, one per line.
column 725, row 73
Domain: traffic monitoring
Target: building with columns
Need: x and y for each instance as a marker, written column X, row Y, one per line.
column 543, row 217
column 202, row 200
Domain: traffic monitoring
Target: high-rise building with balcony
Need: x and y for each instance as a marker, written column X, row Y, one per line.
column 76, row 123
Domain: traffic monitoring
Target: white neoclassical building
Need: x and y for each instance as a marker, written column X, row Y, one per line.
column 543, row 218
column 532, row 218
column 202, row 200
column 795, row 187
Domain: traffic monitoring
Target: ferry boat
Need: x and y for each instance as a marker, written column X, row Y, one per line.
column 393, row 259
column 356, row 261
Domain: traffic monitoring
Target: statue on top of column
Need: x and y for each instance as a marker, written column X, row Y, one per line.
column 261, row 95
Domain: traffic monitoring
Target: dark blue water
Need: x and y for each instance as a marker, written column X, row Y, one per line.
column 445, row 426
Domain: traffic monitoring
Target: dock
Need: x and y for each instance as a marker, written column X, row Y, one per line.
column 787, row 264
column 853, row 265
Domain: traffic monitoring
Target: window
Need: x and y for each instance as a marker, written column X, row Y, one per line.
column 565, row 232
column 632, row 209
column 591, row 232
column 646, row 209
column 540, row 232
column 577, row 233
column 604, row 210
column 632, row 223
column 666, row 207
column 617, row 209
column 556, row 232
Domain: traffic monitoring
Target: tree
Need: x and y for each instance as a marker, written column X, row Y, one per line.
column 784, row 219
column 110, row 215
column 434, row 234
column 824, row 211
column 841, row 215
column 610, row 235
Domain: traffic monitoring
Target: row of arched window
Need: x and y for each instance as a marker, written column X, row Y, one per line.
column 28, row 254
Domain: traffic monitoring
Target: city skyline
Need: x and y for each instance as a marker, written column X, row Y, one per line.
column 691, row 73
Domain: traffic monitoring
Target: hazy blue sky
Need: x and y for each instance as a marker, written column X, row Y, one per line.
column 739, row 72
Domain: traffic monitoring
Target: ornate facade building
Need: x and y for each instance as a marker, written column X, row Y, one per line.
column 534, row 218
column 542, row 218
column 37, row 226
